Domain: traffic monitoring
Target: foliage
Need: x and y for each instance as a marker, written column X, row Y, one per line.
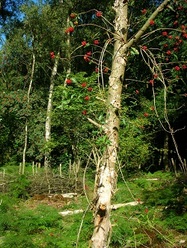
column 154, row 222
column 151, row 222
column 135, row 148
column 88, row 52
column 77, row 101
column 20, row 187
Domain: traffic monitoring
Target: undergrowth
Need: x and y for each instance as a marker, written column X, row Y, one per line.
column 157, row 221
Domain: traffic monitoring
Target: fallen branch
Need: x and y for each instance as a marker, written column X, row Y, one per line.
column 71, row 212
column 113, row 207
column 147, row 179
column 134, row 203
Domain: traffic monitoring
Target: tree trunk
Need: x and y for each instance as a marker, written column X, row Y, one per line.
column 26, row 122
column 67, row 66
column 107, row 177
column 49, row 112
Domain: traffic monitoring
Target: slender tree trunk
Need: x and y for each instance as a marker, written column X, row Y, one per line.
column 49, row 112
column 26, row 122
column 107, row 175
column 68, row 54
column 107, row 178
column 166, row 152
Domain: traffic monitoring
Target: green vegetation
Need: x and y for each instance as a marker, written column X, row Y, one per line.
column 159, row 220
column 56, row 62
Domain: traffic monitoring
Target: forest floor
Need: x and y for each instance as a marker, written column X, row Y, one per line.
column 157, row 220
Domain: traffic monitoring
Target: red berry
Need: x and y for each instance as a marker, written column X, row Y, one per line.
column 146, row 114
column 183, row 27
column 177, row 68
column 83, row 43
column 84, row 112
column 144, row 11
column 86, row 58
column 73, row 15
column 168, row 52
column 146, row 210
column 69, row 30
column 68, row 81
column 89, row 53
column 96, row 42
column 144, row 48
column 83, row 84
column 90, row 88
column 87, row 98
column 164, row 33
column 99, row 13
column 137, row 92
column 152, row 22
column 155, row 75
column 52, row 55
column 97, row 69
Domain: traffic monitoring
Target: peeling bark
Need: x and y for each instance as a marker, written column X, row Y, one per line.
column 107, row 177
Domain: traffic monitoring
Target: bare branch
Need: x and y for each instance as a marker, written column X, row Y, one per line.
column 96, row 124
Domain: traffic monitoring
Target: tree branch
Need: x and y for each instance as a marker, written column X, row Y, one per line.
column 147, row 24
column 96, row 124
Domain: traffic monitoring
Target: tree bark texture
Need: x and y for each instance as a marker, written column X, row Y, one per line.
column 49, row 112
column 26, row 122
column 107, row 177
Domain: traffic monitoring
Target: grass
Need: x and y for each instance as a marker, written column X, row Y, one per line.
column 157, row 222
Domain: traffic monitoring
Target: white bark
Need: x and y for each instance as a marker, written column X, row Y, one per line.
column 107, row 175
column 113, row 207
column 26, row 122
column 49, row 112
column 71, row 212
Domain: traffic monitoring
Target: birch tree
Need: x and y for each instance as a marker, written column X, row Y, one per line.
column 26, row 122
column 49, row 111
column 107, row 178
